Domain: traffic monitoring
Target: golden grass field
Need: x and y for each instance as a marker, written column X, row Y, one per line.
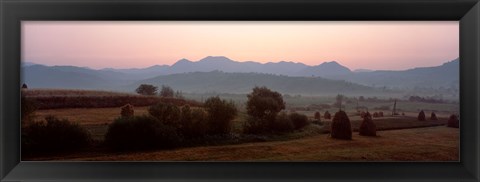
column 438, row 143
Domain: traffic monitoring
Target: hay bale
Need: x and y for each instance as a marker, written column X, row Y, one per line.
column 453, row 121
column 127, row 111
column 327, row 115
column 362, row 114
column 317, row 116
column 368, row 128
column 341, row 127
column 421, row 116
column 433, row 116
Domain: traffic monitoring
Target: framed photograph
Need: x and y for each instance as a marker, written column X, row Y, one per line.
column 239, row 90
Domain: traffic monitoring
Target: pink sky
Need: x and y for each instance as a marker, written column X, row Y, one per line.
column 371, row 45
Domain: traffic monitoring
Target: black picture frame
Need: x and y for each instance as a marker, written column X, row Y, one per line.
column 12, row 12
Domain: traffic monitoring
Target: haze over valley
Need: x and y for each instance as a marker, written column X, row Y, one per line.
column 222, row 75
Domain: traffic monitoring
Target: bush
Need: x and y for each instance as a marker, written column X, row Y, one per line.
column 453, row 121
column 255, row 125
column 220, row 115
column 317, row 116
column 145, row 89
column 327, row 115
column 433, row 116
column 140, row 132
column 299, row 120
column 341, row 127
column 421, row 116
column 166, row 113
column 127, row 111
column 368, row 128
column 54, row 135
column 375, row 114
column 166, row 91
column 194, row 123
column 283, row 123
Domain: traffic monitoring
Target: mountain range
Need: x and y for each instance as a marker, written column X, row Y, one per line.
column 41, row 76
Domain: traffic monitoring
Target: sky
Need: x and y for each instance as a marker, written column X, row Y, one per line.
column 388, row 45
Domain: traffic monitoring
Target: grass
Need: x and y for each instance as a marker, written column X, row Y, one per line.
column 421, row 144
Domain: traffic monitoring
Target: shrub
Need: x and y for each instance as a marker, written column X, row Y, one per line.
column 166, row 113
column 54, row 135
column 24, row 86
column 220, row 115
column 380, row 114
column 299, row 120
column 375, row 115
column 453, row 121
column 145, row 89
column 317, row 116
column 194, row 123
column 433, row 116
column 264, row 103
column 283, row 123
column 166, row 91
column 368, row 128
column 341, row 127
column 255, row 125
column 327, row 115
column 421, row 116
column 140, row 132
column 127, row 111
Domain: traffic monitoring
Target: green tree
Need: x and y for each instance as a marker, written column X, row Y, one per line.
column 165, row 113
column 220, row 115
column 146, row 89
column 166, row 91
column 264, row 103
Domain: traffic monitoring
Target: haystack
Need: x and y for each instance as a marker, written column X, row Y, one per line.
column 327, row 115
column 362, row 114
column 421, row 116
column 127, row 111
column 368, row 128
column 341, row 127
column 453, row 121
column 317, row 116
column 433, row 116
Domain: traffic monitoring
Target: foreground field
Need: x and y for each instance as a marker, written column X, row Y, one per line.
column 421, row 144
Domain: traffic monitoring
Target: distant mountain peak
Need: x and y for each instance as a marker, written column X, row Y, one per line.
column 331, row 63
column 215, row 59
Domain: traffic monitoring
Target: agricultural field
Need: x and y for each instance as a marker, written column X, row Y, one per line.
column 399, row 138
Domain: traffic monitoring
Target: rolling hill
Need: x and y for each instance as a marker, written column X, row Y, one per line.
column 222, row 82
